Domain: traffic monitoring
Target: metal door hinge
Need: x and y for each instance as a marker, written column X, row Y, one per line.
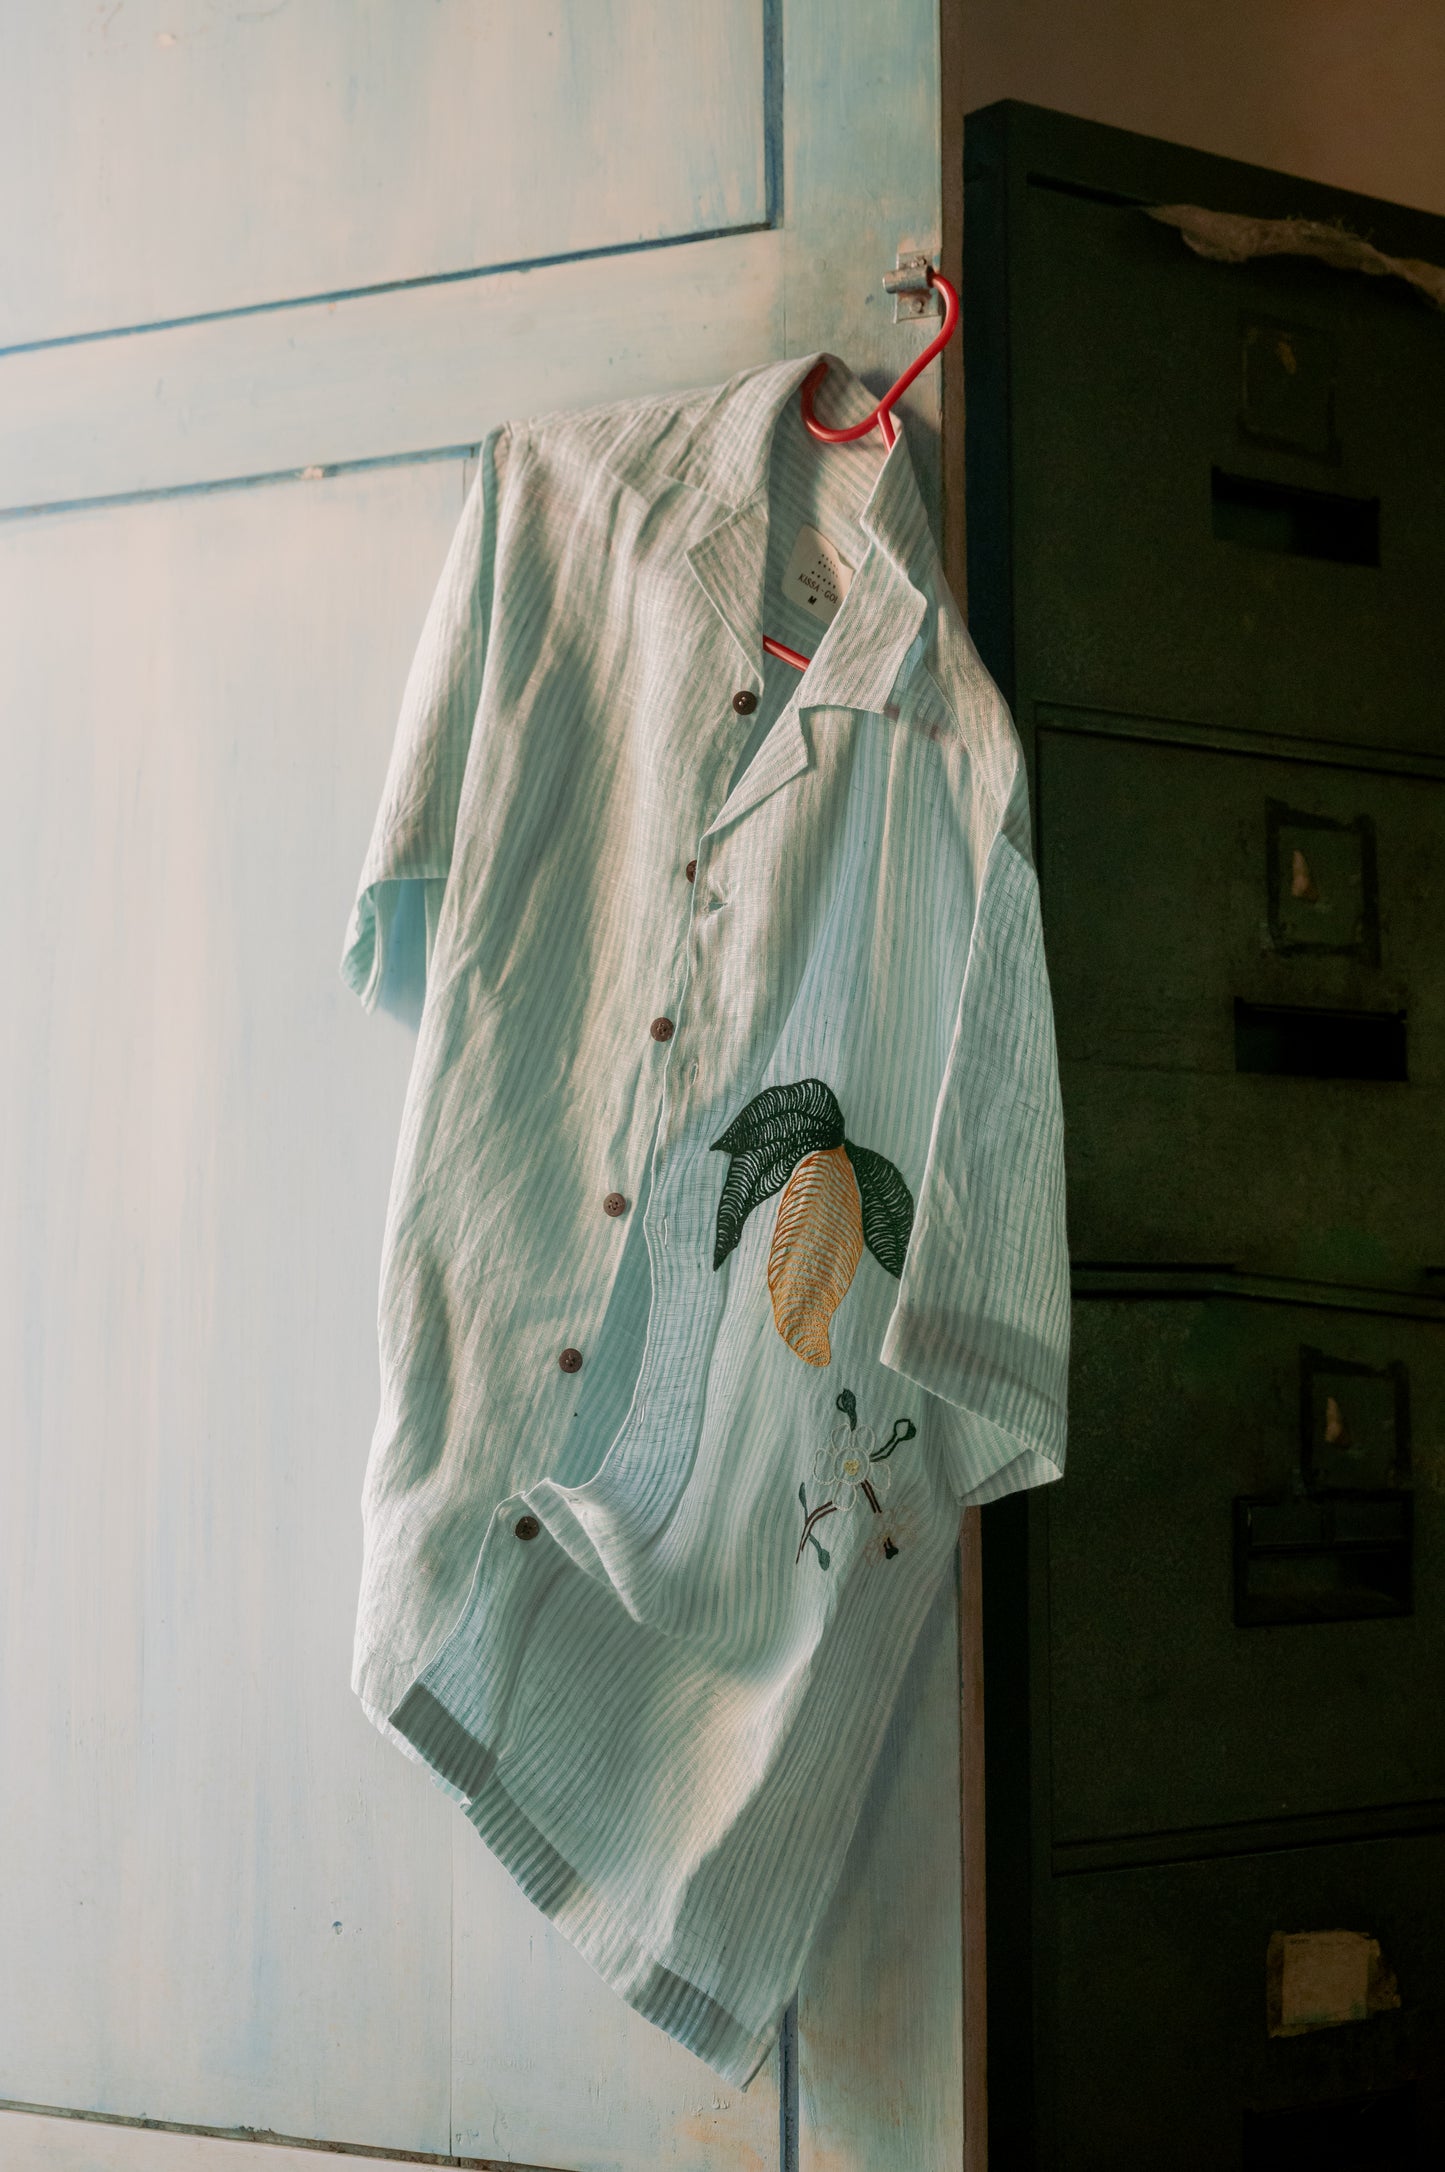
column 908, row 284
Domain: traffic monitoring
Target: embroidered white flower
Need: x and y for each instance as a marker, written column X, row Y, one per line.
column 846, row 1465
column 851, row 1462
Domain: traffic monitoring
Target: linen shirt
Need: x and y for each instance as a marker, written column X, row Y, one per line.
column 724, row 1262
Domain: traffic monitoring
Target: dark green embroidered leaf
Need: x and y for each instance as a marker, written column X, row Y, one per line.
column 806, row 1112
column 767, row 1141
column 903, row 1429
column 847, row 1402
column 887, row 1206
column 752, row 1176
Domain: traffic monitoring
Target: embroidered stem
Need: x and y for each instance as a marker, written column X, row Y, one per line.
column 810, row 1517
column 903, row 1429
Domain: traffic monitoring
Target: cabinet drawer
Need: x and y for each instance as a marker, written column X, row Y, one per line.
column 1164, row 2054
column 1246, row 1565
column 1244, row 954
column 1229, row 483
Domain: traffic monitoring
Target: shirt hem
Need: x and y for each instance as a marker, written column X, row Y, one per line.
column 600, row 1932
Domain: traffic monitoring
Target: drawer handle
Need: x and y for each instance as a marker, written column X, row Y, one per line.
column 1289, row 1040
column 1302, row 523
column 1345, row 1558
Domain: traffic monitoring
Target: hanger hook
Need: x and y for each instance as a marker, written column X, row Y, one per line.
column 882, row 413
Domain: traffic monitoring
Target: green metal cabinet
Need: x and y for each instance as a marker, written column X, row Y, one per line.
column 1206, row 511
column 1211, row 1663
column 1246, row 954
column 1166, row 2058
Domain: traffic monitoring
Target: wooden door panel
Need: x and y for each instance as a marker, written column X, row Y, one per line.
column 47, row 2142
column 880, row 2016
column 200, row 1120
column 552, row 2068
column 380, row 144
column 380, row 376
column 226, row 1900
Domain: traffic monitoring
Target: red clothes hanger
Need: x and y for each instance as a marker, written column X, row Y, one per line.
column 881, row 417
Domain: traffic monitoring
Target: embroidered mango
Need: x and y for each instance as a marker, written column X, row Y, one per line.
column 817, row 1244
column 839, row 1197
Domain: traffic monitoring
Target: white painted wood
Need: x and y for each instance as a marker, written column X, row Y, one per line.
column 381, row 374
column 191, row 156
column 41, row 2142
column 225, row 1900
column 199, row 1122
column 880, row 2016
column 862, row 180
column 552, row 2069
column 378, row 375
column 880, row 2007
column 233, row 1899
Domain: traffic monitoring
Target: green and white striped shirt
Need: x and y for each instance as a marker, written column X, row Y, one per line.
column 725, row 1257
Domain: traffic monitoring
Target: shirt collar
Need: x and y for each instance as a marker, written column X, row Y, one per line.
column 720, row 447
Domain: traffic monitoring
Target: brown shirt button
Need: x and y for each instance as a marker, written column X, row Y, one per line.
column 691, row 870
column 662, row 1029
column 745, row 703
column 614, row 1203
column 570, row 1361
column 526, row 1527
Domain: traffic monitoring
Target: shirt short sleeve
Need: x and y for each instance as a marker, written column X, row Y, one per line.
column 981, row 1319
column 393, row 921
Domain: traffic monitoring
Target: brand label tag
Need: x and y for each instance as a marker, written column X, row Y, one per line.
column 817, row 577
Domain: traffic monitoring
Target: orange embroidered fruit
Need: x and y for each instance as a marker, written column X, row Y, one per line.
column 817, row 1244
column 840, row 1197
